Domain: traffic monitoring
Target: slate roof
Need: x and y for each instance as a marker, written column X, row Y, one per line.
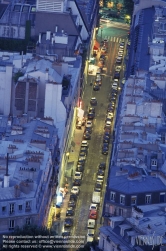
column 55, row 19
column 123, row 184
column 139, row 58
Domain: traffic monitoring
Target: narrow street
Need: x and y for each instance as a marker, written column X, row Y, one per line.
column 114, row 35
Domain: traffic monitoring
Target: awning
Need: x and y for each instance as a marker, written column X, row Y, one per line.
column 96, row 45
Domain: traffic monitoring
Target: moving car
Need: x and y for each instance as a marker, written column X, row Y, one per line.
column 93, row 101
column 78, row 175
column 68, row 222
column 75, row 190
column 96, row 86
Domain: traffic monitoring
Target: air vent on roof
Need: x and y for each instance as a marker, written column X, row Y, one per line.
column 157, row 224
column 146, row 219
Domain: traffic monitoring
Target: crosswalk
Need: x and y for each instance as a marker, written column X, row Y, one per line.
column 113, row 39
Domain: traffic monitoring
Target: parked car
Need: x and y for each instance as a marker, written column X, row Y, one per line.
column 100, row 172
column 103, row 50
column 93, row 214
column 105, row 148
column 78, row 175
column 93, row 101
column 87, row 135
column 72, row 203
column 84, row 149
column 73, row 197
column 66, row 232
column 119, row 60
column 106, row 139
column 70, row 211
column 75, row 189
column 98, row 185
column 116, row 74
column 68, row 222
column 90, row 235
column 80, row 168
column 91, row 223
column 118, row 68
column 100, row 179
column 91, row 115
column 102, row 166
column 77, row 182
column 88, row 123
column 88, row 129
column 82, row 154
column 84, row 143
column 97, row 189
column 93, row 206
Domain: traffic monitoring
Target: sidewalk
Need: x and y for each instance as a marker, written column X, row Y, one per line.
column 70, row 167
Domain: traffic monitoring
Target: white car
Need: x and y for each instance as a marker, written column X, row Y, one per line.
column 109, row 115
column 118, row 68
column 103, row 49
column 116, row 80
column 100, row 178
column 75, row 190
column 91, row 224
column 88, row 123
column 84, row 143
column 121, row 47
column 78, row 176
column 90, row 235
column 115, row 84
column 93, row 206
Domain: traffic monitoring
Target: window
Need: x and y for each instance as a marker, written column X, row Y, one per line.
column 133, row 200
column 11, row 224
column 11, row 208
column 3, row 209
column 28, row 221
column 148, row 199
column 20, row 207
column 162, row 197
column 27, row 205
column 112, row 196
column 153, row 162
column 122, row 199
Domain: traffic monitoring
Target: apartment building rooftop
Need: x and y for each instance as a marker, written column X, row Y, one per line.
column 131, row 180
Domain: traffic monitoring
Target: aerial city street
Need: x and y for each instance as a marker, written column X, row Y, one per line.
column 83, row 125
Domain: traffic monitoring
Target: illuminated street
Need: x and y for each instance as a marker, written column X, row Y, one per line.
column 95, row 144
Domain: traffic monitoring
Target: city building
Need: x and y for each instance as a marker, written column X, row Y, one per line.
column 144, row 230
column 27, row 176
column 137, row 169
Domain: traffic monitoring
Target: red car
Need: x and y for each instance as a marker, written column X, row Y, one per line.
column 93, row 214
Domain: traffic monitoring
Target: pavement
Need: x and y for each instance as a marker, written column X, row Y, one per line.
column 72, row 160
